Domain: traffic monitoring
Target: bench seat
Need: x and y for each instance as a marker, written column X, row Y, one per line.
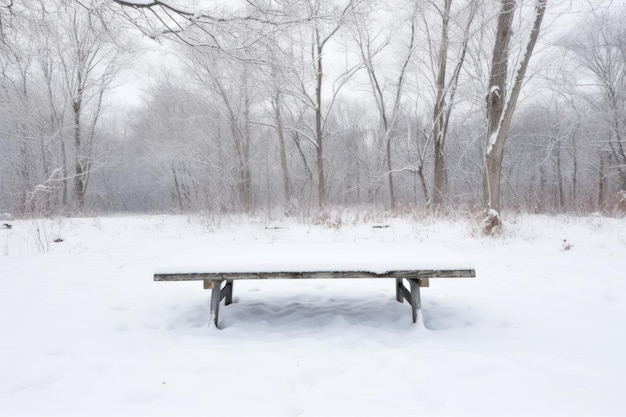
column 332, row 261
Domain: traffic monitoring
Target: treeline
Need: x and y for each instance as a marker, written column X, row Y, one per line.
column 294, row 105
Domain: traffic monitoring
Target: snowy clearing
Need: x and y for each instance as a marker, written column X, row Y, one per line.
column 85, row 330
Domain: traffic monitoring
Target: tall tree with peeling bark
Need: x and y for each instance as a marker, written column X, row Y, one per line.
column 500, row 107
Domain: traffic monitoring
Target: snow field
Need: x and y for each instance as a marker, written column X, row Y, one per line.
column 85, row 330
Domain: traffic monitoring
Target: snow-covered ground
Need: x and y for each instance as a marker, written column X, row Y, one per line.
column 86, row 331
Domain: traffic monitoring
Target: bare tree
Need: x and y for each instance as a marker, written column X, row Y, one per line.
column 6, row 11
column 222, row 30
column 177, row 139
column 322, row 33
column 55, row 57
column 218, row 26
column 388, row 103
column 500, row 107
column 85, row 62
column 446, row 88
column 600, row 50
column 315, row 37
column 277, row 106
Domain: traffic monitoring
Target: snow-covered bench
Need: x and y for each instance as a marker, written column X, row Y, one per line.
column 398, row 262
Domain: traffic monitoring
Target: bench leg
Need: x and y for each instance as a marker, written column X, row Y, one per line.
column 215, row 304
column 411, row 295
column 416, row 301
column 399, row 296
column 228, row 288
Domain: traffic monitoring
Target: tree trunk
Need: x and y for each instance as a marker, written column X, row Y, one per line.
column 79, row 167
column 246, row 176
column 321, row 185
column 439, row 112
column 601, row 184
column 500, row 108
column 280, row 131
column 559, row 177
column 392, row 197
column 496, row 99
column 65, row 173
column 177, row 193
column 575, row 171
column 25, row 178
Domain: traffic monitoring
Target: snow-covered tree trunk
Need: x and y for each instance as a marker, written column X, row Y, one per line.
column 500, row 108
column 496, row 99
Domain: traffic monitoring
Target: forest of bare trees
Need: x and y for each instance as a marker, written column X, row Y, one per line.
column 299, row 105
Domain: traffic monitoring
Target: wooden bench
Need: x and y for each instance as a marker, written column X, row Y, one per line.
column 221, row 283
column 219, row 266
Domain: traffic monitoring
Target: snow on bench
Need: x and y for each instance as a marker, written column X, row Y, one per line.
column 222, row 265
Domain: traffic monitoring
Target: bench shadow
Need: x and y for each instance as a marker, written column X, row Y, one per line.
column 285, row 313
column 318, row 313
column 310, row 313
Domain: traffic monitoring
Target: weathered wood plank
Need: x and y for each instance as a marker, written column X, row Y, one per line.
column 413, row 274
column 444, row 273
